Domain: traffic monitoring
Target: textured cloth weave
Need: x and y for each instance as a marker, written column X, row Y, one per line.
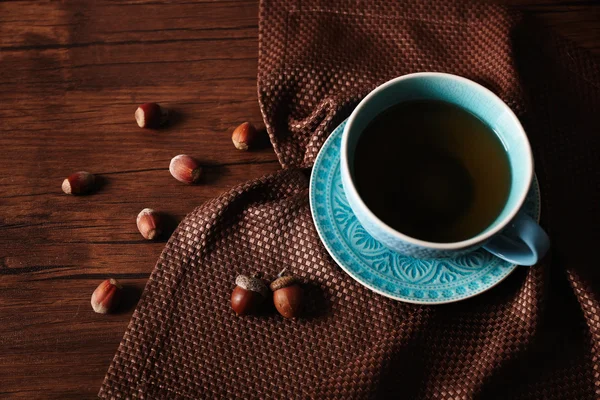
column 534, row 336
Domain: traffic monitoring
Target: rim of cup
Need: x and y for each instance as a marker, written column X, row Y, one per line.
column 481, row 237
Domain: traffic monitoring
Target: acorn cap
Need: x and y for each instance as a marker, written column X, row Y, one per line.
column 253, row 284
column 283, row 282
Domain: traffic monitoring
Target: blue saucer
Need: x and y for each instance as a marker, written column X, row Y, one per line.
column 387, row 272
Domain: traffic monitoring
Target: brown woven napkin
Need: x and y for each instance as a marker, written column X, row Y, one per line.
column 535, row 336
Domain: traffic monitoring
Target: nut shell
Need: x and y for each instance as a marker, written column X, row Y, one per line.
column 253, row 284
column 288, row 300
column 148, row 223
column 185, row 169
column 282, row 282
column 245, row 301
column 244, row 136
column 81, row 182
column 151, row 115
column 106, row 297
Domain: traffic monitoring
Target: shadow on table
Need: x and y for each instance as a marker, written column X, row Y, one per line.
column 130, row 297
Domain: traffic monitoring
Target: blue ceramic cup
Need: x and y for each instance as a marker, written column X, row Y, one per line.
column 532, row 242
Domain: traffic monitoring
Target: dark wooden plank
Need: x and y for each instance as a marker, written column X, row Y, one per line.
column 72, row 74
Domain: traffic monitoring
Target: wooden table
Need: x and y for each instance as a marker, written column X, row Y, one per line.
column 71, row 76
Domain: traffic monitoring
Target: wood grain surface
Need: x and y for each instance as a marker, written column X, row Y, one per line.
column 71, row 76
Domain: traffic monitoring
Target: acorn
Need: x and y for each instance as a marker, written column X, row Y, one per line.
column 249, row 293
column 287, row 296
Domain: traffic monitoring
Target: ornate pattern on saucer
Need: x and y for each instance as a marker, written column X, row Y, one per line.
column 387, row 272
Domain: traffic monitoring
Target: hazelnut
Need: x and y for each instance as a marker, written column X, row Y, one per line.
column 244, row 136
column 151, row 115
column 185, row 169
column 249, row 293
column 287, row 296
column 106, row 296
column 148, row 223
column 81, row 182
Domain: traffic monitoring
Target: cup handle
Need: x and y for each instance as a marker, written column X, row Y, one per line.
column 531, row 245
